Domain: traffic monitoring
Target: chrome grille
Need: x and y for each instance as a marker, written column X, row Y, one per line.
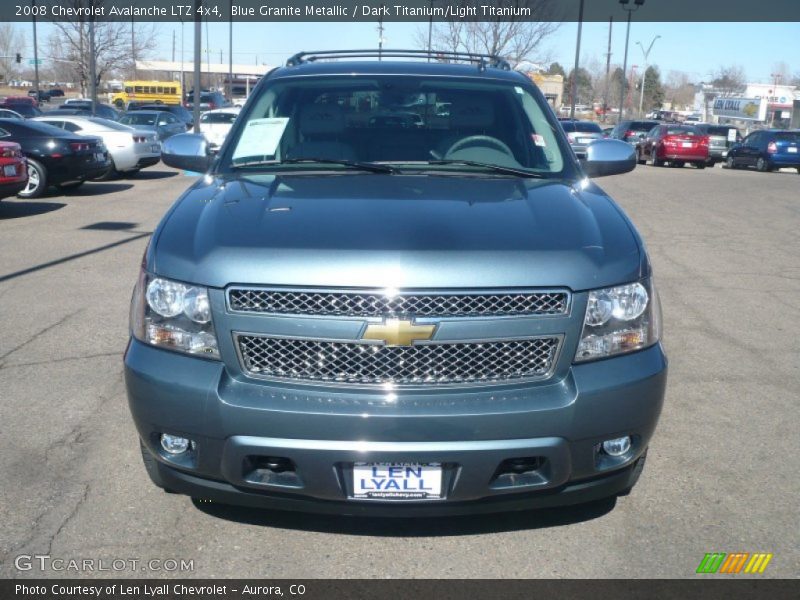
column 377, row 304
column 359, row 363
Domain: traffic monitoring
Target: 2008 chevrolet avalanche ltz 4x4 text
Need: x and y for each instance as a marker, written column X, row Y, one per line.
column 395, row 291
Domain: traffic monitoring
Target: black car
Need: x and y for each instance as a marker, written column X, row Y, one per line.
column 56, row 93
column 26, row 109
column 101, row 110
column 181, row 113
column 632, row 131
column 208, row 101
column 55, row 156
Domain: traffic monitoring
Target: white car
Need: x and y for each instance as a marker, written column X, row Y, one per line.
column 130, row 149
column 215, row 125
column 6, row 113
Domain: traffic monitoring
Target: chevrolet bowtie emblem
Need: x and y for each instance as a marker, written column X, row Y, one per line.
column 397, row 332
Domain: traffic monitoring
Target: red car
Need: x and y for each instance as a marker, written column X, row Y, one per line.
column 13, row 169
column 675, row 144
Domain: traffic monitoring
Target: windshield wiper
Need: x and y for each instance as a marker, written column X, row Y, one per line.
column 489, row 166
column 353, row 164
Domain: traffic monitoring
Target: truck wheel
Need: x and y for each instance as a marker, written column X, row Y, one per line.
column 151, row 466
column 37, row 180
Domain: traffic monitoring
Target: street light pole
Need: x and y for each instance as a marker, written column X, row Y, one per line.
column 35, row 55
column 644, row 71
column 92, row 68
column 574, row 86
column 629, row 10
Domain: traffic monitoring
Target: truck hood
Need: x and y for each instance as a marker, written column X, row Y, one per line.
column 396, row 231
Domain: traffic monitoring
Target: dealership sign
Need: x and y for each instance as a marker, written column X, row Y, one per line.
column 749, row 109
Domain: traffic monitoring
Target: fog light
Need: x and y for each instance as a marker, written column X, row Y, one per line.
column 617, row 446
column 174, row 444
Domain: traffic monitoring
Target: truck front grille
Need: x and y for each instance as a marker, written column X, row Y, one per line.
column 378, row 304
column 421, row 364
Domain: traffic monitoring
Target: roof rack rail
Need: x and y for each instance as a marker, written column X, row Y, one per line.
column 482, row 60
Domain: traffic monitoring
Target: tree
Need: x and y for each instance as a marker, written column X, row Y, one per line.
column 516, row 39
column 114, row 49
column 728, row 81
column 11, row 43
column 584, row 94
column 653, row 90
column 618, row 80
column 678, row 90
column 556, row 69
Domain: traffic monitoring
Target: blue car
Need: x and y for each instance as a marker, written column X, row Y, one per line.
column 767, row 150
column 350, row 315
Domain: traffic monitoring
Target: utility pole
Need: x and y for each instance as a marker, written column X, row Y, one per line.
column 380, row 36
column 230, row 55
column 198, row 49
column 608, row 70
column 35, row 55
column 430, row 32
column 92, row 68
column 629, row 10
column 133, row 48
column 574, row 90
column 173, row 45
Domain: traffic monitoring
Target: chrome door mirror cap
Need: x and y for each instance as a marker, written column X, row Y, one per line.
column 188, row 151
column 608, row 157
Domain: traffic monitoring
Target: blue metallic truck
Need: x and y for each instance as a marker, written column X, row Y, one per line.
column 356, row 311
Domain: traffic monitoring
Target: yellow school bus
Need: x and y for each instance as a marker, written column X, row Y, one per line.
column 155, row 92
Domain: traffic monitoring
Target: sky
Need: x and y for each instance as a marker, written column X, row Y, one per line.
column 696, row 49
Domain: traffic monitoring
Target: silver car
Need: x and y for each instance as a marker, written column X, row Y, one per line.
column 130, row 149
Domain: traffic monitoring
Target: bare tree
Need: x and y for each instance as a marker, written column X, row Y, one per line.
column 115, row 46
column 12, row 42
column 516, row 39
column 679, row 91
column 728, row 81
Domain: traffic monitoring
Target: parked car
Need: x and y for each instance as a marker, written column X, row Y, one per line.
column 580, row 134
column 41, row 96
column 7, row 113
column 673, row 144
column 181, row 113
column 720, row 139
column 163, row 124
column 25, row 109
column 332, row 319
column 215, row 125
column 85, row 107
column 767, row 150
column 31, row 101
column 56, row 93
column 632, row 131
column 130, row 150
column 54, row 156
column 208, row 101
column 13, row 171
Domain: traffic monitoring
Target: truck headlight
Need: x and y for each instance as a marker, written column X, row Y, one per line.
column 173, row 315
column 621, row 319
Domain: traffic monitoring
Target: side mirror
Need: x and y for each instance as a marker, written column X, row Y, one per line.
column 608, row 157
column 188, row 151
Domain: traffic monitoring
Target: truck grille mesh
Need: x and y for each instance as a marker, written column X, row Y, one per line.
column 352, row 362
column 375, row 304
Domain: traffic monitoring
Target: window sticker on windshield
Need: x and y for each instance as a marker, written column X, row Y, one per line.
column 261, row 137
column 538, row 140
column 731, row 135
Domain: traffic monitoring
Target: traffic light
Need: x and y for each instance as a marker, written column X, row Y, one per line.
column 19, row 57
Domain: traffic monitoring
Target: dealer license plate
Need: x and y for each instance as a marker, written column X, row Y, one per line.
column 9, row 170
column 686, row 144
column 397, row 481
column 792, row 149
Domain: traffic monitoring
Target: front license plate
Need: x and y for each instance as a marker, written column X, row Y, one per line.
column 397, row 481
column 9, row 171
column 792, row 149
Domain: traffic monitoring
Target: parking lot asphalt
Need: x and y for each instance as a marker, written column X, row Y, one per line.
column 722, row 473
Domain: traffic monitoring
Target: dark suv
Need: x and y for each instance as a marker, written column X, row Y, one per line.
column 349, row 314
column 632, row 131
column 208, row 101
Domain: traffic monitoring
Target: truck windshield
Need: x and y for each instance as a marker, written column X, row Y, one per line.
column 412, row 122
